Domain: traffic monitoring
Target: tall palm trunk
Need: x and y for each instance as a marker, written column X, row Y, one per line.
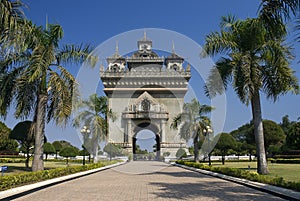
column 38, row 163
column 95, row 148
column 27, row 156
column 262, row 165
column 196, row 148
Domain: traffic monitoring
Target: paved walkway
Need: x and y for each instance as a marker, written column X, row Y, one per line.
column 147, row 181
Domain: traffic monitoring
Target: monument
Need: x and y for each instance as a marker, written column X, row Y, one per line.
column 145, row 91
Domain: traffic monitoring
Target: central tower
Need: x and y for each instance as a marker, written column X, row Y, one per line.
column 145, row 91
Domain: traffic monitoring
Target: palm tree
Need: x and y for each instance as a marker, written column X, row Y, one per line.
column 254, row 63
column 93, row 113
column 192, row 123
column 36, row 81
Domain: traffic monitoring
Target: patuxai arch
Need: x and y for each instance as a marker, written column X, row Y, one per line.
column 145, row 91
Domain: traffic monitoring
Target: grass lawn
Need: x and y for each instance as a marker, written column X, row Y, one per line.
column 290, row 172
column 14, row 168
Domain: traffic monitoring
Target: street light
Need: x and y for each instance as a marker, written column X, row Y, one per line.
column 84, row 131
column 207, row 131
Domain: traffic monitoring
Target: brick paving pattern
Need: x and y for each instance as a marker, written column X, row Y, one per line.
column 147, row 181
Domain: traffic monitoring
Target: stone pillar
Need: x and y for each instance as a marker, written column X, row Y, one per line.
column 129, row 132
column 163, row 130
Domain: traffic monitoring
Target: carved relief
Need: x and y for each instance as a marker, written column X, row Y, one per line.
column 146, row 103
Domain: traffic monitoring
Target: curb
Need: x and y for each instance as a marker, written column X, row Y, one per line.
column 274, row 190
column 23, row 190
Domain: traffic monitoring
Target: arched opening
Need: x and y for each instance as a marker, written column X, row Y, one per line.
column 145, row 146
column 146, row 142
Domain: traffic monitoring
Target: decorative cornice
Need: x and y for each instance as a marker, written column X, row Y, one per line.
column 145, row 115
column 164, row 73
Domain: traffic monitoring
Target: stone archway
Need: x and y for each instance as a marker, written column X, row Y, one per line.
column 146, row 88
column 146, row 126
column 145, row 113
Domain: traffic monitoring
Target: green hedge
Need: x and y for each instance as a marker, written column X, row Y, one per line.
column 11, row 156
column 286, row 161
column 245, row 174
column 286, row 156
column 22, row 160
column 238, row 160
column 12, row 160
column 11, row 181
column 70, row 160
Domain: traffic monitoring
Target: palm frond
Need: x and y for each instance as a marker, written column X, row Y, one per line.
column 227, row 22
column 25, row 97
column 219, row 77
column 55, row 34
column 242, row 81
column 297, row 29
column 13, row 60
column 185, row 131
column 276, row 13
column 94, row 113
column 81, row 117
column 10, row 19
column 60, row 98
column 176, row 121
column 7, row 89
column 191, row 120
column 218, row 43
column 279, row 9
column 39, row 62
column 205, row 121
column 76, row 54
column 205, row 109
column 278, row 77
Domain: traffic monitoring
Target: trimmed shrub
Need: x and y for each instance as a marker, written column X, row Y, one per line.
column 286, row 161
column 286, row 156
column 11, row 181
column 11, row 156
column 245, row 174
column 12, row 160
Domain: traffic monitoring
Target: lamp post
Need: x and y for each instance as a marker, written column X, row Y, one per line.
column 84, row 131
column 207, row 131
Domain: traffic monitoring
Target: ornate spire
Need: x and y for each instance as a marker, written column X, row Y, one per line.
column 117, row 49
column 101, row 67
column 188, row 68
column 145, row 35
column 173, row 47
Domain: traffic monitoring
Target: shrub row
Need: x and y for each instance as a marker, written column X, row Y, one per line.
column 11, row 156
column 286, row 156
column 12, row 160
column 22, row 160
column 245, row 174
column 286, row 161
column 11, row 181
column 239, row 160
column 64, row 159
column 9, row 153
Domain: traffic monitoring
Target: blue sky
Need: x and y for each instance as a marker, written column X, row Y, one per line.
column 93, row 21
